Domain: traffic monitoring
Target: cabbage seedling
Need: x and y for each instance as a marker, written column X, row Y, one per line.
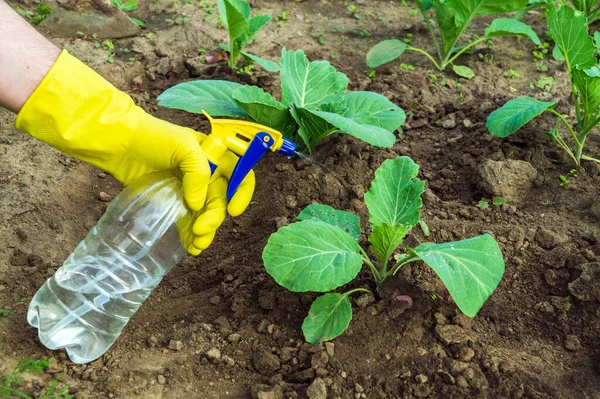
column 321, row 252
column 570, row 32
column 453, row 17
column 235, row 16
column 314, row 104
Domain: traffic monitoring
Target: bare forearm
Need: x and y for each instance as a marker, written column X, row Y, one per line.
column 25, row 58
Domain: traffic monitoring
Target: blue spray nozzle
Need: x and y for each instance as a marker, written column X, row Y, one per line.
column 288, row 147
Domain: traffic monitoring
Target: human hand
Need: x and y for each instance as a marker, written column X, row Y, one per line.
column 81, row 114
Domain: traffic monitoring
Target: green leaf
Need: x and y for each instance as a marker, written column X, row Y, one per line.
column 471, row 269
column 510, row 26
column 312, row 256
column 388, row 115
column 241, row 6
column 469, row 9
column 589, row 93
column 463, row 71
column 424, row 5
column 264, row 109
column 266, row 64
column 329, row 316
column 346, row 221
column 313, row 128
column 385, row 239
column 454, row 16
column 514, row 115
column 213, row 96
column 395, row 194
column 384, row 52
column 307, row 84
column 237, row 23
column 360, row 126
column 255, row 24
column 569, row 30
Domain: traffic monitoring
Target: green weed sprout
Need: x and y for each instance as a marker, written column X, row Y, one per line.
column 321, row 252
column 9, row 384
column 314, row 104
column 569, row 30
column 453, row 17
column 235, row 16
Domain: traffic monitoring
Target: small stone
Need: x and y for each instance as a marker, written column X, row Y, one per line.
column 104, row 197
column 213, row 353
column 291, row 201
column 364, row 300
column 317, row 390
column 215, row 300
column 449, row 122
column 549, row 239
column 101, row 175
column 572, row 343
column 228, row 360
column 467, row 123
column 175, row 345
column 330, row 348
column 234, row 338
column 421, row 379
column 161, row 379
column 447, row 378
column 281, row 221
column 358, row 388
column 452, row 334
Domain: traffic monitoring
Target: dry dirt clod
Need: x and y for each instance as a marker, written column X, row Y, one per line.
column 452, row 334
column 175, row 345
column 317, row 390
column 213, row 353
column 104, row 197
column 364, row 300
column 510, row 179
column 265, row 362
column 572, row 343
column 586, row 287
column 161, row 379
column 549, row 239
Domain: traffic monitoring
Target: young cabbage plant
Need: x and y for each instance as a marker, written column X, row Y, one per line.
column 314, row 104
column 453, row 17
column 569, row 30
column 321, row 252
column 235, row 16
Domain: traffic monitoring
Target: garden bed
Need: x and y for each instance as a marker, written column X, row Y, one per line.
column 219, row 327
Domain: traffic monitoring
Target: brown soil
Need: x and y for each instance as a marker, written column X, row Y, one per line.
column 533, row 339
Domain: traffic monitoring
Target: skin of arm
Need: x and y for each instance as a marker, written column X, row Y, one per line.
column 25, row 58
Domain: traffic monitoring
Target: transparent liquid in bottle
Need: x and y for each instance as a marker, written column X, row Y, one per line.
column 86, row 304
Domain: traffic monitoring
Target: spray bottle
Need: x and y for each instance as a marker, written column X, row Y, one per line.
column 145, row 231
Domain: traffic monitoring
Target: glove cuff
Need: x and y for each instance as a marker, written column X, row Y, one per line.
column 77, row 111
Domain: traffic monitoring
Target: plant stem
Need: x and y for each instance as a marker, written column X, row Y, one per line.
column 374, row 270
column 458, row 53
column 432, row 32
column 357, row 290
column 588, row 158
column 566, row 123
column 411, row 257
column 426, row 54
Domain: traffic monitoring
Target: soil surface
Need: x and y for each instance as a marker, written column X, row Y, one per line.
column 219, row 327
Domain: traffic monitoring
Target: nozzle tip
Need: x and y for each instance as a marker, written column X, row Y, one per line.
column 287, row 148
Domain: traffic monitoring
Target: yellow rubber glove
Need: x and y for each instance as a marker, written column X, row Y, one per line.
column 81, row 114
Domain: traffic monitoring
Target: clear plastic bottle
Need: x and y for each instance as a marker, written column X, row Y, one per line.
column 86, row 304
